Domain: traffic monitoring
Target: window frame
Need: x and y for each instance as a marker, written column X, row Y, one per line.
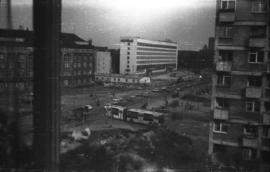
column 256, row 53
column 252, row 82
column 252, row 103
column 224, row 79
column 221, row 125
column 227, row 32
column 227, row 5
column 258, row 4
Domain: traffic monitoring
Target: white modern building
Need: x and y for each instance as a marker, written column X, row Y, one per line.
column 140, row 55
column 103, row 62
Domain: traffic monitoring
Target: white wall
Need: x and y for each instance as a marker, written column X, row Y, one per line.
column 103, row 62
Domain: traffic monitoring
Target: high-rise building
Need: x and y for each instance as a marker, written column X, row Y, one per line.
column 241, row 88
column 138, row 55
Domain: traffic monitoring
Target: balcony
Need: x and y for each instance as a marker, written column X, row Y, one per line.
column 250, row 142
column 228, row 92
column 224, row 66
column 253, row 92
column 266, row 119
column 257, row 42
column 221, row 114
column 226, row 16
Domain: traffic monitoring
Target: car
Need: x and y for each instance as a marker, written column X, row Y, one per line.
column 88, row 107
column 155, row 90
column 116, row 100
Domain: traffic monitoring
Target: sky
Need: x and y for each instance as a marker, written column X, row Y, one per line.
column 188, row 22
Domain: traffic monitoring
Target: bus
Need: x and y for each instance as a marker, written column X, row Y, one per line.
column 140, row 116
column 117, row 112
column 144, row 117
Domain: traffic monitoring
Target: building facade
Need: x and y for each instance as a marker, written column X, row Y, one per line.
column 139, row 55
column 16, row 60
column 241, row 88
column 103, row 62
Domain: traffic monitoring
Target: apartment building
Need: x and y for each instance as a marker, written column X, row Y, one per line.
column 241, row 87
column 16, row 60
column 140, row 55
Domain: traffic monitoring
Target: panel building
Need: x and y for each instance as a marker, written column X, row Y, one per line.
column 140, row 55
column 241, row 88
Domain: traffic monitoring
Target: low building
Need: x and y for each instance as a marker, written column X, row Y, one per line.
column 122, row 79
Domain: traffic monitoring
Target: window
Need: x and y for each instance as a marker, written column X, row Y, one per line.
column 225, row 55
column 256, row 57
column 128, row 57
column 224, row 79
column 267, row 106
column 67, row 65
column 128, row 53
column 266, row 131
column 66, row 82
column 226, row 32
column 2, row 57
column 250, row 130
column 254, row 81
column 227, row 5
column 248, row 154
column 220, row 127
column 222, row 103
column 258, row 6
column 258, row 31
column 128, row 44
column 252, row 106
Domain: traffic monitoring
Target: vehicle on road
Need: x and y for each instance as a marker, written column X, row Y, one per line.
column 139, row 116
column 155, row 90
column 88, row 107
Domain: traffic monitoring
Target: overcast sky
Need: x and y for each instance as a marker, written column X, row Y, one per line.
column 188, row 22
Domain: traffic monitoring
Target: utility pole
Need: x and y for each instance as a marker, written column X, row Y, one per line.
column 47, row 28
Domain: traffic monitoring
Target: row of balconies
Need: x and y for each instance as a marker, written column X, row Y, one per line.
column 254, row 143
column 230, row 17
column 244, row 141
column 227, row 66
column 223, row 114
column 249, row 92
column 253, row 42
